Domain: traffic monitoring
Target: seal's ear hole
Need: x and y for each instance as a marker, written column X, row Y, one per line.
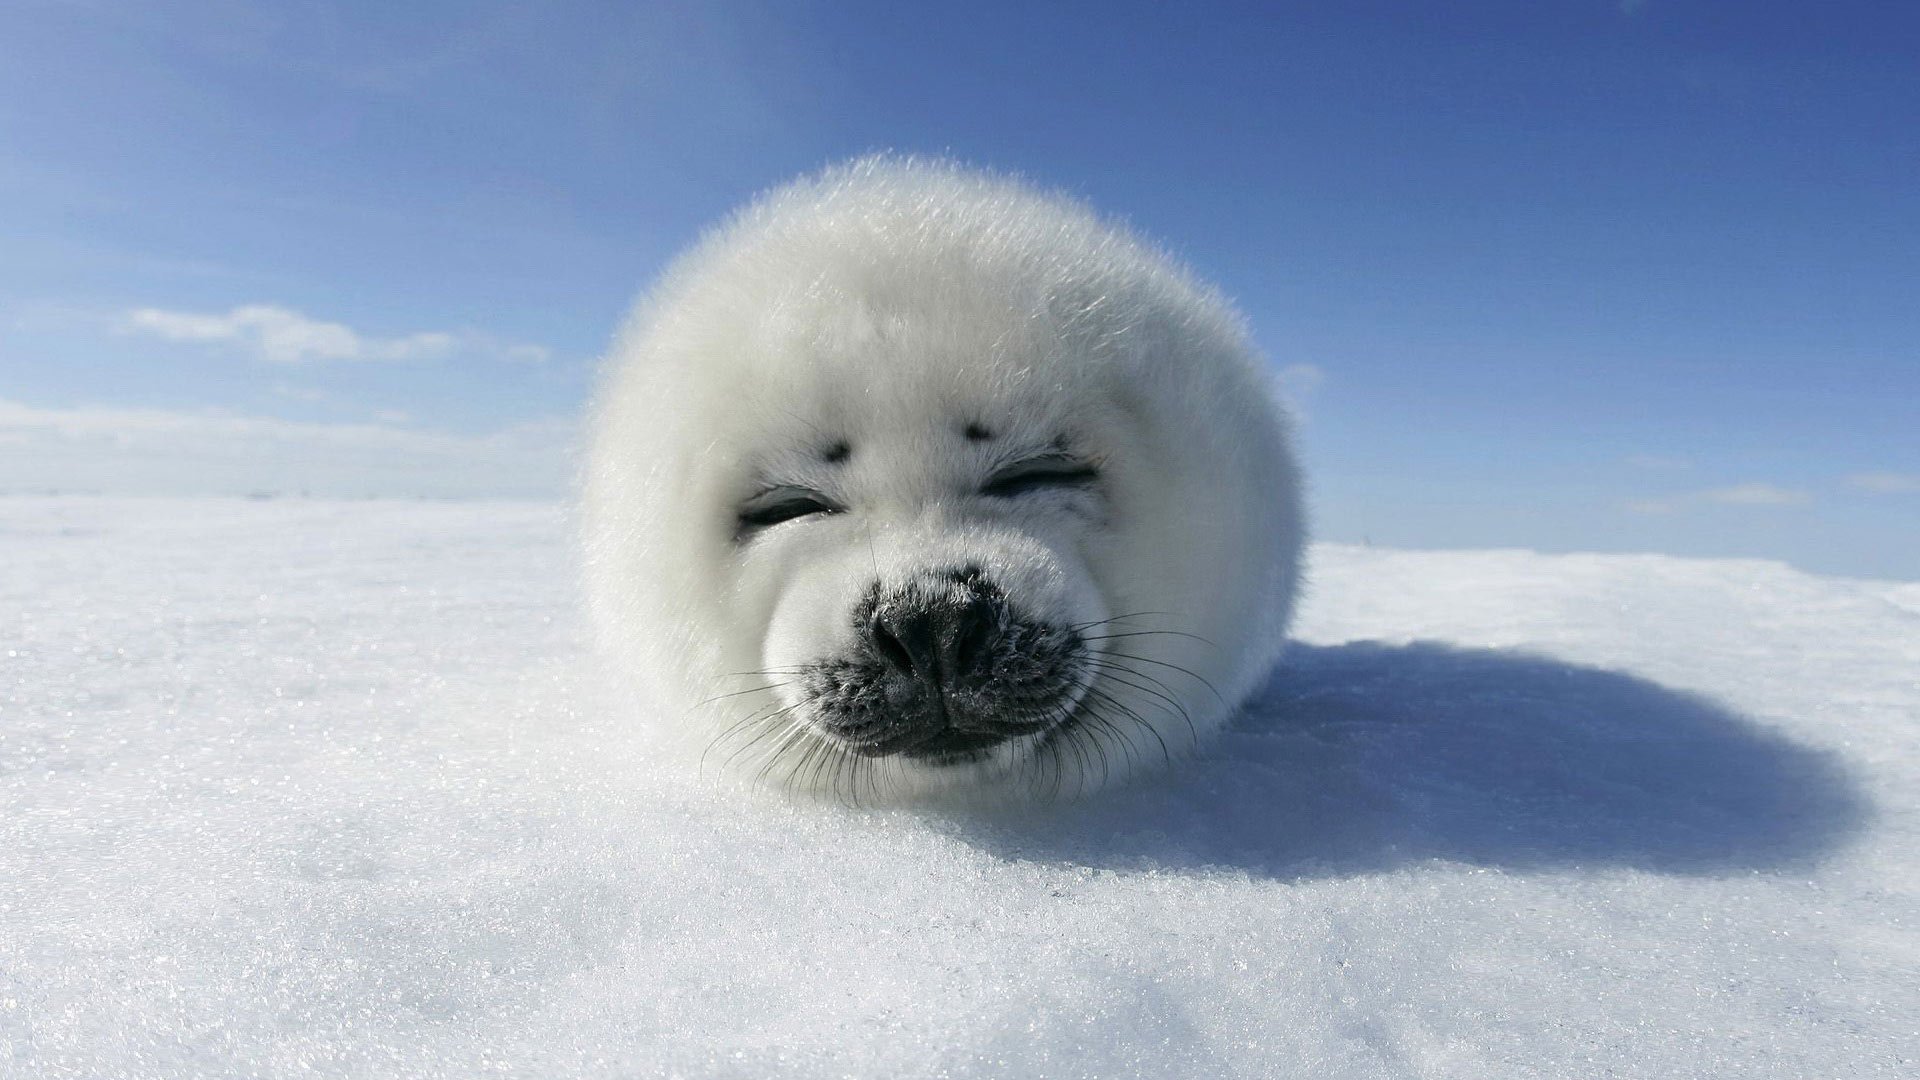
column 977, row 432
column 837, row 453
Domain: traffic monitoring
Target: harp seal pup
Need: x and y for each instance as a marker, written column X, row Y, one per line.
column 911, row 480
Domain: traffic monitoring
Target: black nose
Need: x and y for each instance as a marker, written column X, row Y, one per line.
column 939, row 643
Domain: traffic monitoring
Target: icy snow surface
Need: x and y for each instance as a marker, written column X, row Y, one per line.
column 318, row 789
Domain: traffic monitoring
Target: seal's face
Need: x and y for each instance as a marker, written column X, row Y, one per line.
column 916, row 520
column 942, row 617
column 912, row 481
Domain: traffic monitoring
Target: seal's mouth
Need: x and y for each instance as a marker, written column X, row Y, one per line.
column 948, row 745
column 952, row 747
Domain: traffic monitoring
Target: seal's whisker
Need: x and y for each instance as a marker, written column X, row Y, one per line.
column 741, row 693
column 1081, row 627
column 758, row 716
column 1189, row 672
column 1099, row 745
column 811, row 747
column 850, row 764
column 1149, row 633
column 828, row 754
column 794, row 732
column 1167, row 703
column 1139, row 721
column 768, row 726
column 1061, row 731
column 764, row 673
column 1159, row 689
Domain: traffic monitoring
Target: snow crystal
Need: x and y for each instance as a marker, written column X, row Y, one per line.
column 320, row 789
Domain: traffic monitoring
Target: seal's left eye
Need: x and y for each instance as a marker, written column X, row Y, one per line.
column 783, row 504
column 1039, row 474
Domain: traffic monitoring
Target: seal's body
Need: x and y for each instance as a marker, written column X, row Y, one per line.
column 910, row 479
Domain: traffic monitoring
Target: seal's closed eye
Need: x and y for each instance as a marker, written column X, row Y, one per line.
column 780, row 504
column 1039, row 473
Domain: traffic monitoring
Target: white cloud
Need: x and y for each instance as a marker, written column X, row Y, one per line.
column 279, row 335
column 159, row 451
column 1755, row 495
column 1302, row 378
column 1886, row 483
column 525, row 353
column 1296, row 384
column 1749, row 494
column 296, row 392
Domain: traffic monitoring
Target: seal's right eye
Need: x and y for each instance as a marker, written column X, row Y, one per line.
column 775, row 505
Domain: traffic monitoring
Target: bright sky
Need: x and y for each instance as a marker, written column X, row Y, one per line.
column 1584, row 275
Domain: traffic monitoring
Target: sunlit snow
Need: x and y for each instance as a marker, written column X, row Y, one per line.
column 296, row 788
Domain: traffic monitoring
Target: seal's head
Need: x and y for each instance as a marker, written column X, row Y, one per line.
column 911, row 479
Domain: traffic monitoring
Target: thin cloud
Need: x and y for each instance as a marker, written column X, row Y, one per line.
column 1886, row 483
column 168, row 452
column 1749, row 494
column 1756, row 495
column 280, row 335
column 1296, row 384
column 296, row 392
column 1302, row 378
column 1658, row 462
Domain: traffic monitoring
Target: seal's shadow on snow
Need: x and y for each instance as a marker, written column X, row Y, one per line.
column 1364, row 757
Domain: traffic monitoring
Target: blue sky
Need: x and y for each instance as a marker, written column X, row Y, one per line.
column 1568, row 275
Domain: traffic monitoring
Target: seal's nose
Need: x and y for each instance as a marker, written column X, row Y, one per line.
column 938, row 643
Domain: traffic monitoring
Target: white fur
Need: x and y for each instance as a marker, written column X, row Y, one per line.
column 888, row 303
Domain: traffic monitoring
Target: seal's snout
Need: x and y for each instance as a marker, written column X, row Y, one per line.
column 941, row 641
column 943, row 668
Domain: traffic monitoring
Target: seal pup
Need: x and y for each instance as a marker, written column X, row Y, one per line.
column 911, row 479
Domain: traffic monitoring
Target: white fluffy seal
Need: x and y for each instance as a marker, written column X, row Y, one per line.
column 911, row 479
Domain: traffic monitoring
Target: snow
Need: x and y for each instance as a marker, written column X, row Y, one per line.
column 294, row 788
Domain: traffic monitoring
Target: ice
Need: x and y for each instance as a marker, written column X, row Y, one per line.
column 304, row 788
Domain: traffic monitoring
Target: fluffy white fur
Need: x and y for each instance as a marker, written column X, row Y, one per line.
column 887, row 304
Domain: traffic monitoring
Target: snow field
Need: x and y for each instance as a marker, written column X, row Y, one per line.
column 323, row 789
